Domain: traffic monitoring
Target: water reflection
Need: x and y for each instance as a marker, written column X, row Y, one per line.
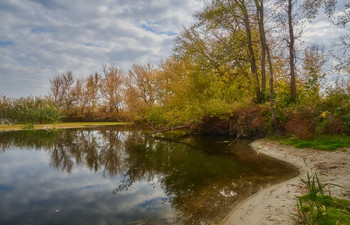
column 134, row 178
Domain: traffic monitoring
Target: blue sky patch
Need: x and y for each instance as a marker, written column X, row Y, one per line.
column 91, row 44
column 151, row 29
column 151, row 203
column 6, row 43
column 90, row 186
column 4, row 188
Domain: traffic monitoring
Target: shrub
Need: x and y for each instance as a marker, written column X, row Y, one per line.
column 328, row 123
column 301, row 122
column 249, row 120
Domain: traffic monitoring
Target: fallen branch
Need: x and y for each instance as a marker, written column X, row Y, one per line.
column 172, row 140
column 170, row 129
column 235, row 139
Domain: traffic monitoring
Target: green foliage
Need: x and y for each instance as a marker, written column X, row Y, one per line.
column 321, row 142
column 29, row 110
column 317, row 208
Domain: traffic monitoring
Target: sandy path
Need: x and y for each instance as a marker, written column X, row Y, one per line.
column 276, row 204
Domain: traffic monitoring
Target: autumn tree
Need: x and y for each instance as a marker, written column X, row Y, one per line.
column 142, row 88
column 112, row 88
column 91, row 91
column 78, row 96
column 291, row 46
column 295, row 12
column 234, row 18
column 266, row 50
column 61, row 87
column 313, row 67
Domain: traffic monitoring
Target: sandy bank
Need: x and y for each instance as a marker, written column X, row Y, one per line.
column 277, row 203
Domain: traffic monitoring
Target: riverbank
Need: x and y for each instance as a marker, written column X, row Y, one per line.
column 4, row 127
column 275, row 205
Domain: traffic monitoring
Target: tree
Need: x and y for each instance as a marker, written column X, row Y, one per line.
column 243, row 7
column 343, row 55
column 142, row 88
column 343, row 44
column 341, row 18
column 314, row 60
column 112, row 87
column 77, row 94
column 91, row 91
column 311, row 7
column 294, row 12
column 344, row 17
column 234, row 19
column 265, row 48
column 291, row 49
column 61, row 87
column 261, row 21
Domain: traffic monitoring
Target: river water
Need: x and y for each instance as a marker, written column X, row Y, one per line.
column 114, row 175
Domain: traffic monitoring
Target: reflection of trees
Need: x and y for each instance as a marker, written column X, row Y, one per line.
column 201, row 185
column 198, row 183
column 70, row 148
column 27, row 139
column 111, row 154
column 192, row 180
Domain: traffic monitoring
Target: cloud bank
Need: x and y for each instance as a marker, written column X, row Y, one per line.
column 40, row 39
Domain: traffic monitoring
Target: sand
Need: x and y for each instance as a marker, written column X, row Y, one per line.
column 276, row 204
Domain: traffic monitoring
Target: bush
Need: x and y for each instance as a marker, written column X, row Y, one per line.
column 29, row 110
column 301, row 122
column 249, row 120
column 329, row 123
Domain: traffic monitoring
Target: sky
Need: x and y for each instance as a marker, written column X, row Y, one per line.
column 40, row 39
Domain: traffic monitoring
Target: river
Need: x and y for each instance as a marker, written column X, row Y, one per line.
column 115, row 175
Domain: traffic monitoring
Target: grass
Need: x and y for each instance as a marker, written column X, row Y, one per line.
column 321, row 142
column 58, row 125
column 325, row 210
column 317, row 208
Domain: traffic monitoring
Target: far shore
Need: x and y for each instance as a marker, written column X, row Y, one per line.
column 276, row 204
column 65, row 125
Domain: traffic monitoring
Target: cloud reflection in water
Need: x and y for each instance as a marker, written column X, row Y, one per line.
column 118, row 176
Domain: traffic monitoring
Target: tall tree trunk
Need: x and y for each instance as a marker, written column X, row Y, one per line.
column 252, row 59
column 291, row 51
column 260, row 9
column 263, row 52
column 272, row 99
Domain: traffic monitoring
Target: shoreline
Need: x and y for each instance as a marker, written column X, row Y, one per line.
column 64, row 125
column 276, row 204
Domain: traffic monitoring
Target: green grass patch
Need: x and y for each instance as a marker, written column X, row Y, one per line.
column 325, row 210
column 316, row 207
column 321, row 142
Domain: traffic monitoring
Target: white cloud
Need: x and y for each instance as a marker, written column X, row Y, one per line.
column 40, row 39
column 322, row 32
